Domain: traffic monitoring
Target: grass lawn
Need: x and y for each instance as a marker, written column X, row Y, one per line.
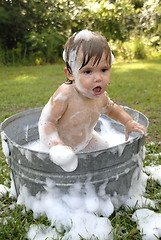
column 136, row 85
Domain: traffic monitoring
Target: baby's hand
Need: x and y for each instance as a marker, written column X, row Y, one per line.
column 133, row 126
column 64, row 156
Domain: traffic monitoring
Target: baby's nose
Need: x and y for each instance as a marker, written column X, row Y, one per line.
column 97, row 77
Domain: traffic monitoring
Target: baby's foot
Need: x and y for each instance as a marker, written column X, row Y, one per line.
column 64, row 156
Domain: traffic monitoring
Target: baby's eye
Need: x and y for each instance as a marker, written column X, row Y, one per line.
column 87, row 71
column 104, row 69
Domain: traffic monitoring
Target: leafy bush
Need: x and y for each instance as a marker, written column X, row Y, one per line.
column 122, row 51
column 11, row 56
column 2, row 55
column 135, row 48
column 139, row 50
column 45, row 47
column 54, row 48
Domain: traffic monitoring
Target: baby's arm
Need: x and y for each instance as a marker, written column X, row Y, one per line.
column 60, row 153
column 48, row 121
column 116, row 113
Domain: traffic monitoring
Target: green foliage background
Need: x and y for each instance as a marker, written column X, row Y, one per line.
column 34, row 31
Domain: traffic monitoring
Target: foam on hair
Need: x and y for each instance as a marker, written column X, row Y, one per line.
column 92, row 44
column 84, row 34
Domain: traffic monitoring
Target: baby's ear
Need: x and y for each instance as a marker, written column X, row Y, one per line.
column 68, row 74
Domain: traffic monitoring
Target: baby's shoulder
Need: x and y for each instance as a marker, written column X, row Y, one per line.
column 63, row 92
column 66, row 88
column 106, row 99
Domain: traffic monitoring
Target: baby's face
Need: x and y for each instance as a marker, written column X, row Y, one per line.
column 91, row 81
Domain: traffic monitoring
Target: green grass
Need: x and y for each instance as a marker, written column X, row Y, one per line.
column 137, row 85
column 27, row 87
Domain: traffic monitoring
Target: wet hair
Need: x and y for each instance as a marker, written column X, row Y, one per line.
column 95, row 46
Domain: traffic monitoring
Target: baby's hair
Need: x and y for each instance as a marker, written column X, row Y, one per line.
column 93, row 45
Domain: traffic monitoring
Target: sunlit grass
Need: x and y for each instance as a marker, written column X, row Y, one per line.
column 137, row 85
column 27, row 87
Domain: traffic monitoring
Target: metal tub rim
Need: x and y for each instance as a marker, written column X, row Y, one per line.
column 35, row 110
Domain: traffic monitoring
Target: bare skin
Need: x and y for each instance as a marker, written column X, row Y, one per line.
column 72, row 112
column 74, row 118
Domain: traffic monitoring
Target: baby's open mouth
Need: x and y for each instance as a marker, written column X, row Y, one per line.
column 97, row 90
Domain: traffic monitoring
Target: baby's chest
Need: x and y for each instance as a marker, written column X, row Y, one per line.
column 83, row 115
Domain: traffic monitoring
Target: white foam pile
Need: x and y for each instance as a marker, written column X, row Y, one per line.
column 78, row 214
column 155, row 172
column 113, row 136
column 149, row 223
column 3, row 190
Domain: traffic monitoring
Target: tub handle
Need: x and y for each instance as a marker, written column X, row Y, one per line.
column 6, row 147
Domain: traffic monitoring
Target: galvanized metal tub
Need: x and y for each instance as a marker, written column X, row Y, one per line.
column 110, row 168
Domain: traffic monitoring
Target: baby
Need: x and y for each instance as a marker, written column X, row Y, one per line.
column 67, row 121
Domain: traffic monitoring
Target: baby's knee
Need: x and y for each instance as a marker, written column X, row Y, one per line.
column 64, row 156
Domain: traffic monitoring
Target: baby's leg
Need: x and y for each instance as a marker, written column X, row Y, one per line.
column 97, row 142
column 64, row 157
